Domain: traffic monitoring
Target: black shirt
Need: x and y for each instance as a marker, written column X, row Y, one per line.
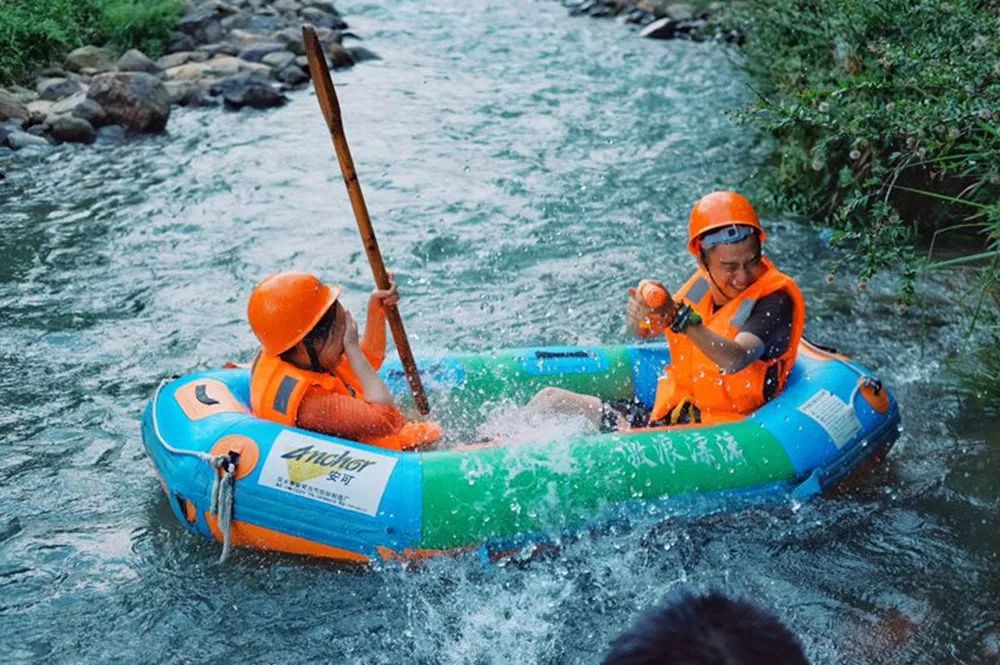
column 771, row 321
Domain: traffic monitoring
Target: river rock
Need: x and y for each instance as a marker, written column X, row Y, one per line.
column 68, row 129
column 55, row 89
column 238, row 21
column 92, row 112
column 187, row 72
column 202, row 26
column 222, row 8
column 339, row 57
column 664, row 28
column 361, row 54
column 224, row 48
column 292, row 39
column 264, row 23
column 324, row 5
column 38, row 111
column 11, row 108
column 248, row 89
column 67, row 105
column 22, row 94
column 185, row 93
column 287, row 6
column 323, row 19
column 175, row 59
column 279, row 59
column 244, row 38
column 135, row 60
column 679, row 11
column 256, row 52
column 180, row 42
column 292, row 75
column 135, row 100
column 18, row 139
column 90, row 57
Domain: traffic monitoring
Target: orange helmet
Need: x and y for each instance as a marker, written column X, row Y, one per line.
column 719, row 209
column 286, row 306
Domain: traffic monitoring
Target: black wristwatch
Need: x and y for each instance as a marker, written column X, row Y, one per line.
column 685, row 317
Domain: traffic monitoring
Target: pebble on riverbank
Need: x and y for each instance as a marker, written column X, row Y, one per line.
column 240, row 53
column 660, row 19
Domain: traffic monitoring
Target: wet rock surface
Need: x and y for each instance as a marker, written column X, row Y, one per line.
column 659, row 19
column 136, row 101
column 235, row 54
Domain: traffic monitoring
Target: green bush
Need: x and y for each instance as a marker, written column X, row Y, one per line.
column 33, row 32
column 886, row 116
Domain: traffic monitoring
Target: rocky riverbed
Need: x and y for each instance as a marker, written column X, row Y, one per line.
column 661, row 19
column 235, row 54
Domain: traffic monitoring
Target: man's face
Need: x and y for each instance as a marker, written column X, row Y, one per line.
column 735, row 267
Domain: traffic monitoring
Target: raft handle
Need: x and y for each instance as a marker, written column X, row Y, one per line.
column 201, row 394
column 545, row 355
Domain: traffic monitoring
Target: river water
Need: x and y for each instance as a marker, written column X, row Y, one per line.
column 522, row 169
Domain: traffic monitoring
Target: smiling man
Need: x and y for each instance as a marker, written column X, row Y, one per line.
column 733, row 328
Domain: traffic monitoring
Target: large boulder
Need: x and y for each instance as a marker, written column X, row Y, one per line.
column 202, row 26
column 92, row 112
column 91, row 58
column 135, row 100
column 248, row 89
column 11, row 108
column 56, row 89
column 69, row 129
column 135, row 60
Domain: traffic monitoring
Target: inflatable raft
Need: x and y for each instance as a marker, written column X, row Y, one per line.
column 249, row 482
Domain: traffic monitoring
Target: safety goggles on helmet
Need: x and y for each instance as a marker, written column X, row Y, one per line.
column 727, row 235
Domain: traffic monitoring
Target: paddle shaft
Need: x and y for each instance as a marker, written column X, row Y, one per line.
column 327, row 97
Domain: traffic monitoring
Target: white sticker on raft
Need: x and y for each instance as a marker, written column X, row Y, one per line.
column 338, row 475
column 834, row 415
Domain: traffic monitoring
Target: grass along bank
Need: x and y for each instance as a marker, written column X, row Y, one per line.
column 886, row 119
column 35, row 32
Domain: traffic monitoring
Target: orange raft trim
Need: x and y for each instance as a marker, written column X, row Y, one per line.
column 244, row 534
column 243, row 446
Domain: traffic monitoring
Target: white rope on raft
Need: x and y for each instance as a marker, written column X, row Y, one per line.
column 223, row 485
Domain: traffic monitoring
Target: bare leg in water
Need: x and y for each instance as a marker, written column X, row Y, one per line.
column 566, row 402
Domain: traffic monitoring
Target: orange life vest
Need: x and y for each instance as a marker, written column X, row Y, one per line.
column 694, row 377
column 277, row 388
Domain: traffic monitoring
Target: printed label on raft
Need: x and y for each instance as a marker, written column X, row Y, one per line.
column 334, row 474
column 833, row 415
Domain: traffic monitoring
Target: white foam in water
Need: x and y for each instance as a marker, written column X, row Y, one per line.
column 514, row 425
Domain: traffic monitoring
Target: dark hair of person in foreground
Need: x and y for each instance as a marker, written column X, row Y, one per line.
column 707, row 630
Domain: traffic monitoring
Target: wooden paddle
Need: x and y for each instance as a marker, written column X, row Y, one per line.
column 327, row 97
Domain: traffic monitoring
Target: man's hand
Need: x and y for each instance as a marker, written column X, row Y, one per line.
column 641, row 318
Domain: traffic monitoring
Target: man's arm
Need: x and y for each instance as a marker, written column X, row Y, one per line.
column 730, row 355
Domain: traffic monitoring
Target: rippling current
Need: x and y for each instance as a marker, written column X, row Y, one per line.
column 522, row 169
